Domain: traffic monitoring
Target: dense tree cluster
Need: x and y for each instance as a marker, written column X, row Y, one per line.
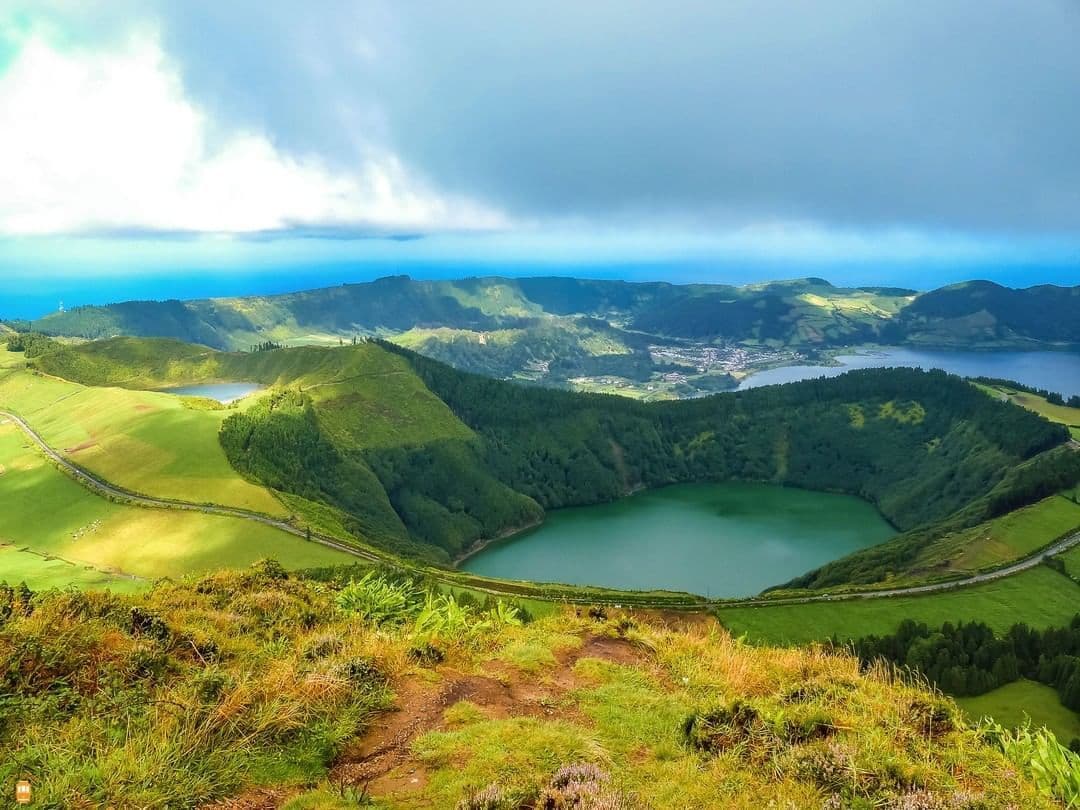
column 922, row 446
column 32, row 343
column 968, row 659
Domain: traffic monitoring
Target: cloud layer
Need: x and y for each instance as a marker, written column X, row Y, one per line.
column 98, row 140
column 832, row 117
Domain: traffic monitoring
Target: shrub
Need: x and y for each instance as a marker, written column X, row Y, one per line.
column 490, row 798
column 362, row 672
column 582, row 787
column 379, row 601
column 724, row 728
column 426, row 654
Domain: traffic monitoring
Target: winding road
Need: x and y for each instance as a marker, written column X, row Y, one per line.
column 103, row 487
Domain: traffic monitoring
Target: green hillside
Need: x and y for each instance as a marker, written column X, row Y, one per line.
column 644, row 340
column 63, row 534
column 259, row 689
column 1040, row 597
column 514, row 326
column 426, row 460
column 978, row 312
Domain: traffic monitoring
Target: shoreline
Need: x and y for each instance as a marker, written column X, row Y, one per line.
column 483, row 543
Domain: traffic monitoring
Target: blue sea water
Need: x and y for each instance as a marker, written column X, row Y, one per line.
column 28, row 291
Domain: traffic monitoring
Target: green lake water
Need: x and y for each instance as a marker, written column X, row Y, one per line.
column 732, row 539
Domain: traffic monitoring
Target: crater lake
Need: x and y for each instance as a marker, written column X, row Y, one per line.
column 718, row 540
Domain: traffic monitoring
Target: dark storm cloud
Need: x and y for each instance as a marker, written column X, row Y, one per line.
column 954, row 115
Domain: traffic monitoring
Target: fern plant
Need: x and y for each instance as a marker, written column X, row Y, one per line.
column 1052, row 766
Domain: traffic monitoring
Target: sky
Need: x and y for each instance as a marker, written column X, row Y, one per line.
column 913, row 143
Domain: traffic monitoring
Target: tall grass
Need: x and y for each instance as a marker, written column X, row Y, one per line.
column 429, row 615
column 1052, row 766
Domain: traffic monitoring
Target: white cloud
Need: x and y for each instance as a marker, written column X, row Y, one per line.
column 95, row 141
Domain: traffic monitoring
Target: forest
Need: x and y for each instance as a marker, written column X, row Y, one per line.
column 921, row 446
column 968, row 659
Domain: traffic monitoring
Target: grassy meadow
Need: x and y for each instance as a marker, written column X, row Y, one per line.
column 1017, row 703
column 41, row 572
column 1071, row 558
column 271, row 689
column 95, row 540
column 1009, row 537
column 1039, row 596
column 143, row 441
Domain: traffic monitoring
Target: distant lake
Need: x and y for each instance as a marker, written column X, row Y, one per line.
column 222, row 392
column 1054, row 371
column 731, row 539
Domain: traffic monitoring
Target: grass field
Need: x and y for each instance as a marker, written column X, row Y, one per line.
column 1041, row 597
column 1055, row 413
column 143, row 441
column 1014, row 704
column 1002, row 539
column 50, row 514
column 41, row 572
column 1071, row 558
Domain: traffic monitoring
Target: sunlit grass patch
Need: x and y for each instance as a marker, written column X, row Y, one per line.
column 464, row 713
column 518, row 754
column 1021, row 702
column 907, row 413
column 534, row 647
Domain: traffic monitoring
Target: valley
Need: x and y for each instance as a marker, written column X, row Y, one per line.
column 352, row 461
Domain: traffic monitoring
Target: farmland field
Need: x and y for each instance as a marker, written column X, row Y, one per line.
column 143, row 441
column 1041, row 597
column 1055, row 413
column 41, row 572
column 50, row 514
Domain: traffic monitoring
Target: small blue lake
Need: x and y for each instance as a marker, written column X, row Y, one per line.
column 222, row 392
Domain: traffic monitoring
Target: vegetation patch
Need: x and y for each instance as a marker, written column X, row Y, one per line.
column 968, row 659
column 1039, row 597
column 73, row 536
column 139, row 440
column 257, row 681
column 1009, row 537
column 1025, row 703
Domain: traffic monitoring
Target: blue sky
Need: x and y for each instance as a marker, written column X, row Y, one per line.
column 891, row 143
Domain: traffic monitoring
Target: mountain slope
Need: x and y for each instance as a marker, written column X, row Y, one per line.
column 650, row 340
column 980, row 311
column 427, row 459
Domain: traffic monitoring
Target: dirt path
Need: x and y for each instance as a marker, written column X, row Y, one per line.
column 382, row 760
